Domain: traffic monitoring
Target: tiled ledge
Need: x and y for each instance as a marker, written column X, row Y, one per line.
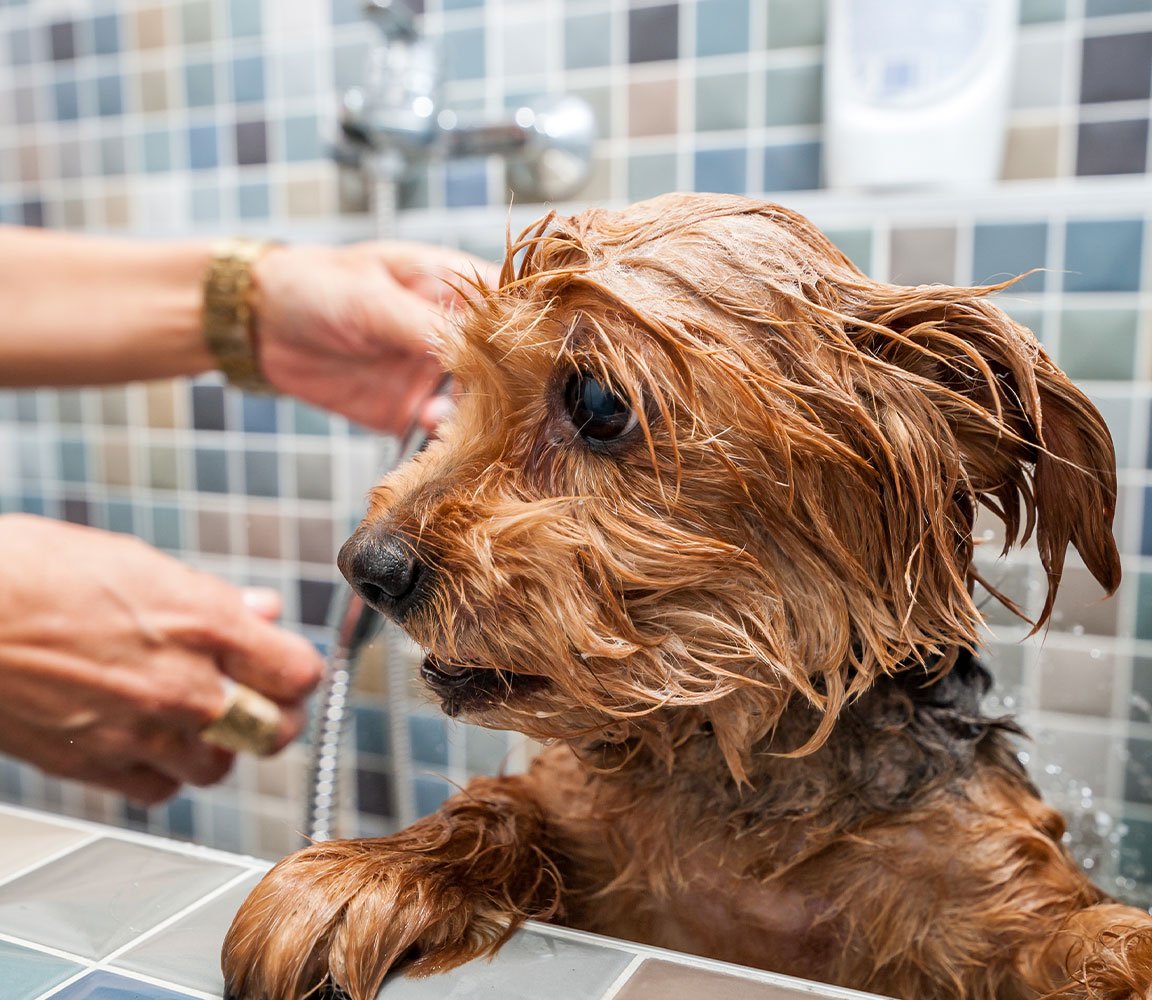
column 94, row 913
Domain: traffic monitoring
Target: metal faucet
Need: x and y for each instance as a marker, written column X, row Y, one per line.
column 393, row 123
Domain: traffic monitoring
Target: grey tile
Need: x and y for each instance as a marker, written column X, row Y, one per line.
column 1102, row 8
column 62, row 40
column 1103, row 255
column 923, row 256
column 587, row 41
column 463, row 54
column 721, row 102
column 262, row 473
column 314, row 476
column 211, row 470
column 794, row 95
column 251, row 142
column 795, row 22
column 106, row 34
column 653, row 33
column 28, row 973
column 196, row 21
column 104, row 894
column 1116, row 67
column 1076, row 682
column 315, row 600
column 573, row 970
column 28, row 841
column 1038, row 11
column 183, row 953
column 671, row 981
column 651, row 174
column 245, row 18
column 1099, row 343
column 200, row 84
column 1038, row 72
column 1112, row 148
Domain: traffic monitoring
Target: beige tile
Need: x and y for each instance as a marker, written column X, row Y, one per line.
column 161, row 404
column 1081, row 606
column 72, row 212
column 656, row 980
column 117, row 211
column 315, row 541
column 212, row 526
column 117, row 457
column 27, row 841
column 1075, row 681
column 307, row 197
column 262, row 532
column 652, row 107
column 28, row 164
column 1031, row 151
column 153, row 85
column 151, row 31
column 923, row 255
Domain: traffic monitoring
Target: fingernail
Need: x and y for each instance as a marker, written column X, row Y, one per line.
column 264, row 601
column 437, row 410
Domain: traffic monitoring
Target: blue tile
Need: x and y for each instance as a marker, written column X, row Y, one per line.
column 109, row 96
column 28, row 973
column 73, row 462
column 103, row 985
column 1103, row 256
column 1102, row 8
column 461, row 4
column 119, row 516
column 1146, row 533
column 428, row 736
column 254, row 201
column 465, row 184
column 302, row 139
column 245, row 18
column 463, row 54
column 211, row 470
column 181, row 817
column 200, row 84
column 66, row 96
column 793, row 167
column 588, row 41
column 347, row 11
column 262, row 473
column 1004, row 250
column 723, row 171
column 167, row 528
column 106, row 34
column 258, row 414
column 248, row 79
column 651, row 174
column 373, row 731
column 310, row 420
column 156, row 151
column 721, row 27
column 203, row 147
column 430, row 793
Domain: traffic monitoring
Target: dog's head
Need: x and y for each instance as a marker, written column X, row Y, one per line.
column 702, row 465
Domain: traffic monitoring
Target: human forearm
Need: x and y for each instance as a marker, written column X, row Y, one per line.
column 81, row 311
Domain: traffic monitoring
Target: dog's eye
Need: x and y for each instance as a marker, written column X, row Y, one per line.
column 596, row 411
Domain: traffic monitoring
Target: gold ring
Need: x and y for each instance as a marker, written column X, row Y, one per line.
column 249, row 723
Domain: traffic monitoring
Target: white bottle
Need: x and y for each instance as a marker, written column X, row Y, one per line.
column 916, row 91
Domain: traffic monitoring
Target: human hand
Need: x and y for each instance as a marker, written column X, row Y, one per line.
column 113, row 658
column 348, row 328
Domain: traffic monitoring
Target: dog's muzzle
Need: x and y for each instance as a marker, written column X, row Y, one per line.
column 384, row 568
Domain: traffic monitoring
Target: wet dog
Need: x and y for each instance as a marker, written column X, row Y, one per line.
column 703, row 523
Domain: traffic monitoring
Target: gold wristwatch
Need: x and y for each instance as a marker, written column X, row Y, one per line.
column 229, row 321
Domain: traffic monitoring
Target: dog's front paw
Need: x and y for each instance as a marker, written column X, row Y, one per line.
column 333, row 919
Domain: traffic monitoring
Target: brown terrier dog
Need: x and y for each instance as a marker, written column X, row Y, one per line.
column 703, row 522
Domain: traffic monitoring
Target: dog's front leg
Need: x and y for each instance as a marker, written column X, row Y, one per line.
column 448, row 889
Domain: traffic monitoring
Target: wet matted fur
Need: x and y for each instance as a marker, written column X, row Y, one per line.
column 703, row 523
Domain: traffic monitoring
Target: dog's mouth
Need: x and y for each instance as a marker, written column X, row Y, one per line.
column 466, row 686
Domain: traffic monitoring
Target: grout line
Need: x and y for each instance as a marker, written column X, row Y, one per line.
column 88, row 963
column 622, row 979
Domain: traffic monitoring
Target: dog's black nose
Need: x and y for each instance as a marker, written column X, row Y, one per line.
column 383, row 568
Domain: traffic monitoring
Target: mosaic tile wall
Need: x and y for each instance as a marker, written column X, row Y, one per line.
column 172, row 117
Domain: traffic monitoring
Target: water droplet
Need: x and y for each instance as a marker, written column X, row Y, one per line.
column 1095, row 654
column 1077, row 629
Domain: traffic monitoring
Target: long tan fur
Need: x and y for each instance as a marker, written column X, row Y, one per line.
column 747, row 627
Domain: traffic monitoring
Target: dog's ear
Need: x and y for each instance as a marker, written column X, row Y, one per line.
column 1033, row 449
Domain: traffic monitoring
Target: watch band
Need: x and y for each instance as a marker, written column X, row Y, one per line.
column 229, row 321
